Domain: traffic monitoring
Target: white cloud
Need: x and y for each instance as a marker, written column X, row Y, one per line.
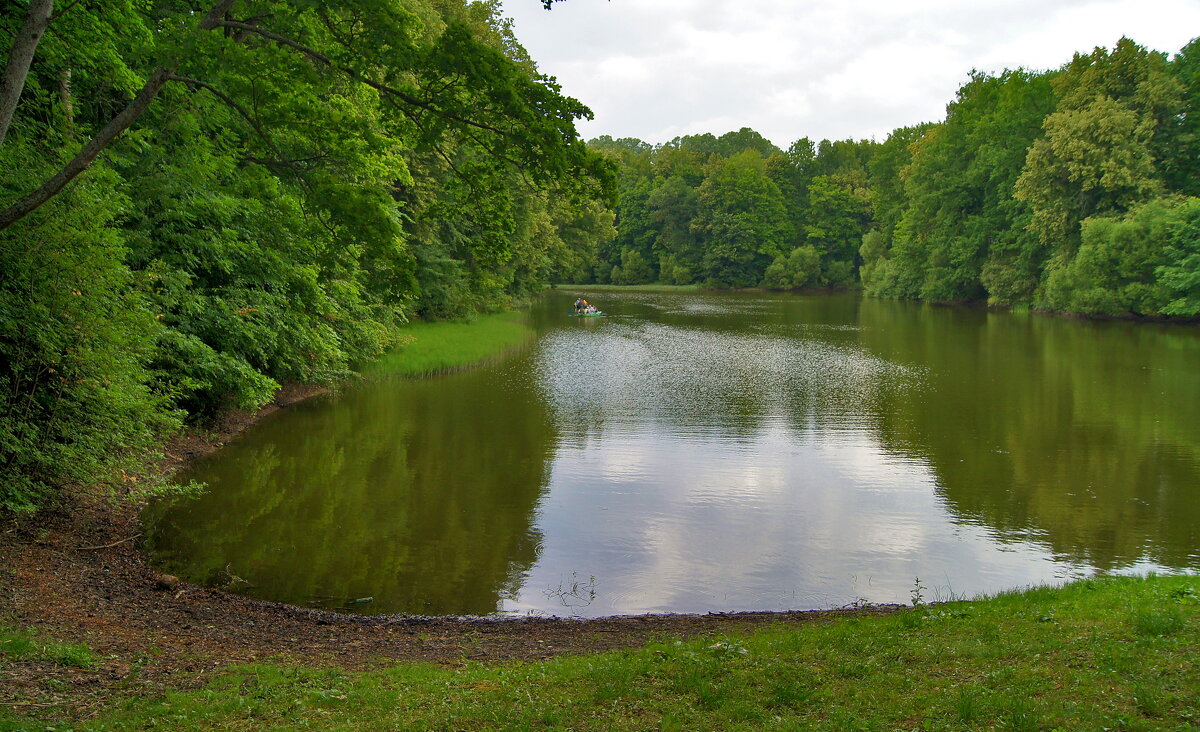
column 654, row 69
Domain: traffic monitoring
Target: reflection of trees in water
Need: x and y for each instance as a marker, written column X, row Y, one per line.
column 1078, row 435
column 419, row 494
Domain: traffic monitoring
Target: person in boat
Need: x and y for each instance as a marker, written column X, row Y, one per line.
column 579, row 303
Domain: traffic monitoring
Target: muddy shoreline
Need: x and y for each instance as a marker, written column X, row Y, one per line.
column 75, row 573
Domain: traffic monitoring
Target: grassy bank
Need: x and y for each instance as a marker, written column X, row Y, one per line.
column 628, row 288
column 428, row 348
column 1118, row 653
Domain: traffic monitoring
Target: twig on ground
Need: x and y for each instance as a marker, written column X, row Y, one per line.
column 108, row 546
column 28, row 704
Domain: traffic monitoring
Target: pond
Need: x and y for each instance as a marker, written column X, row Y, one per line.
column 717, row 452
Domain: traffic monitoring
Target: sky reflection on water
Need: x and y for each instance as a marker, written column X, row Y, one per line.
column 700, row 453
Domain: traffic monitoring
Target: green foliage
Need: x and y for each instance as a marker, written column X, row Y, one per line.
column 988, row 205
column 1093, row 160
column 1098, row 156
column 1180, row 275
column 888, row 197
column 673, row 272
column 800, row 268
column 1115, row 270
column 75, row 337
column 960, row 231
column 276, row 213
column 839, row 213
column 633, row 270
column 742, row 222
column 1180, row 164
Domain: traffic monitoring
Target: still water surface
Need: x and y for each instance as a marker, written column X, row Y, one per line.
column 717, row 452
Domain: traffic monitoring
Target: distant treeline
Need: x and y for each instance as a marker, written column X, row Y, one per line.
column 276, row 186
column 1071, row 190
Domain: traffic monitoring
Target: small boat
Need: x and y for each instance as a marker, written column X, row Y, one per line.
column 586, row 315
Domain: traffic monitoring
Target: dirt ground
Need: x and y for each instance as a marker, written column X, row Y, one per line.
column 75, row 574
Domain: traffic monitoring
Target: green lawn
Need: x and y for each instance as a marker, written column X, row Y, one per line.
column 1119, row 653
column 427, row 348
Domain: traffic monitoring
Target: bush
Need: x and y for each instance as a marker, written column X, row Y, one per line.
column 798, row 269
column 75, row 335
column 1137, row 263
column 1180, row 278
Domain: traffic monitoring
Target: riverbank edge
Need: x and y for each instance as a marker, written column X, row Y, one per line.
column 74, row 573
column 963, row 304
column 455, row 346
column 196, row 442
column 1105, row 652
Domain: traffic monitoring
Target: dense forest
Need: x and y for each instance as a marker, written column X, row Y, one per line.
column 200, row 201
column 1072, row 190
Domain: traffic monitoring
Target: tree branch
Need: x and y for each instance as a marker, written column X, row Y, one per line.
column 283, row 160
column 321, row 58
column 80, row 163
column 212, row 17
column 62, row 11
column 236, row 107
column 19, row 59
column 39, row 17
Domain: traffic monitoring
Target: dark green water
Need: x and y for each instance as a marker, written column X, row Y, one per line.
column 703, row 452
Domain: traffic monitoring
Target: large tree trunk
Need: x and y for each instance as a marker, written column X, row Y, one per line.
column 19, row 59
column 51, row 187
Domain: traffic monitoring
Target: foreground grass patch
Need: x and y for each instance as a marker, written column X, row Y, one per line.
column 1113, row 653
column 428, row 348
column 24, row 644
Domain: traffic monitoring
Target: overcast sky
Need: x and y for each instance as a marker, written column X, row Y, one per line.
column 836, row 69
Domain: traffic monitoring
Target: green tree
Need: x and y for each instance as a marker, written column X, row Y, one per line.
column 515, row 116
column 271, row 187
column 839, row 211
column 1098, row 154
column 75, row 334
column 800, row 268
column 673, row 205
column 1114, row 271
column 1179, row 166
column 1180, row 275
column 960, row 232
column 742, row 221
column 634, row 269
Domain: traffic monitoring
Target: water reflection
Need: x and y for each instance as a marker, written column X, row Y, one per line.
column 1083, row 436
column 419, row 495
column 720, row 452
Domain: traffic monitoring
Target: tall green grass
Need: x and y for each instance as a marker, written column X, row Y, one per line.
column 432, row 347
column 1083, row 657
column 628, row 288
